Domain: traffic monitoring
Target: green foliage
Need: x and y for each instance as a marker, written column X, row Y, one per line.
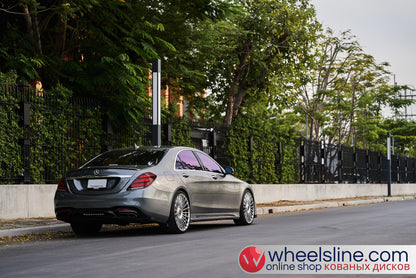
column 129, row 136
column 342, row 93
column 11, row 161
column 254, row 49
column 403, row 131
column 104, row 48
column 272, row 158
column 180, row 133
column 249, row 56
column 9, row 77
column 63, row 134
column 289, row 161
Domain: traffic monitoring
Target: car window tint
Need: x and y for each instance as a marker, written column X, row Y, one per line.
column 189, row 161
column 179, row 165
column 128, row 157
column 209, row 163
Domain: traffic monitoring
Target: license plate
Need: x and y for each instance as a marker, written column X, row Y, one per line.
column 97, row 184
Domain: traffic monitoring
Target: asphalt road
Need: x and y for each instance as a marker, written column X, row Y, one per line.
column 207, row 250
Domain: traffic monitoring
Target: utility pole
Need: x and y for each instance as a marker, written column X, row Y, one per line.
column 389, row 166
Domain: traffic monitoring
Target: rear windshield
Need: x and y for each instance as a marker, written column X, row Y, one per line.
column 128, row 157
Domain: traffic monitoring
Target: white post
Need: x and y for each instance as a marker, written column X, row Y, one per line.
column 156, row 127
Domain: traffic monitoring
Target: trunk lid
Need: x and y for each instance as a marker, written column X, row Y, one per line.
column 99, row 180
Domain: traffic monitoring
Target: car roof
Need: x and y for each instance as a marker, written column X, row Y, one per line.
column 153, row 148
column 162, row 148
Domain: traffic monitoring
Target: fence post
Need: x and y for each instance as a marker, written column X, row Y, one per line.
column 380, row 167
column 251, row 148
column 388, row 165
column 339, row 163
column 322, row 161
column 106, row 145
column 25, row 110
column 414, row 170
column 302, row 161
column 279, row 162
column 168, row 131
column 156, row 118
column 367, row 166
column 354, row 163
column 406, row 164
column 213, row 143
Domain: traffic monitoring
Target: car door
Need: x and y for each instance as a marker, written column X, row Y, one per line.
column 196, row 181
column 223, row 188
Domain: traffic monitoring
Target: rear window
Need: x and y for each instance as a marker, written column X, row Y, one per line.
column 127, row 157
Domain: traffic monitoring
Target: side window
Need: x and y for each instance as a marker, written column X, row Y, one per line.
column 188, row 161
column 209, row 163
column 179, row 165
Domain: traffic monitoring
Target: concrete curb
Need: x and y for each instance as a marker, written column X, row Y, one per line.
column 329, row 204
column 35, row 229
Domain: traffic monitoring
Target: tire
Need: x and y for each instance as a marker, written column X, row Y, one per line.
column 180, row 214
column 86, row 229
column 247, row 209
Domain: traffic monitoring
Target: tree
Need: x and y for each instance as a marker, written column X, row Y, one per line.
column 344, row 92
column 102, row 48
column 184, row 26
column 255, row 45
column 403, row 131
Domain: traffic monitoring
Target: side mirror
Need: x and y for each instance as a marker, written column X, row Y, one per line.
column 229, row 170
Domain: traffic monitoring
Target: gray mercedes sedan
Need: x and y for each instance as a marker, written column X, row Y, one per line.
column 172, row 186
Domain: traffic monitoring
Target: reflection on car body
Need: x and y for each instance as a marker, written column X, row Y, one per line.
column 172, row 186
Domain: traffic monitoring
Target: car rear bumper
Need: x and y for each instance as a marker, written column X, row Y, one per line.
column 140, row 206
column 119, row 215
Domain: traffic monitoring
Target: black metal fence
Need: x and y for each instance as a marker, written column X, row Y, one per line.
column 314, row 162
column 44, row 135
column 327, row 163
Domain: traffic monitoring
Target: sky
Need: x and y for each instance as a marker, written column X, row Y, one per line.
column 386, row 29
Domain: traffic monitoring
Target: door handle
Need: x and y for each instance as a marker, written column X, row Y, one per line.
column 214, row 177
column 185, row 175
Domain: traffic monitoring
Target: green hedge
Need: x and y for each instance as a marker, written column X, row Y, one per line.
column 270, row 156
column 11, row 136
column 64, row 135
column 65, row 132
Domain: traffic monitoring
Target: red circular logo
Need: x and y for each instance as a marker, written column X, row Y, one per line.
column 252, row 259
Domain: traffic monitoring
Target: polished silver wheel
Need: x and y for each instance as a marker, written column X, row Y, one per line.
column 180, row 214
column 247, row 209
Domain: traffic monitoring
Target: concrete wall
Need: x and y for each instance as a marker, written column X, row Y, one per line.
column 28, row 200
column 266, row 193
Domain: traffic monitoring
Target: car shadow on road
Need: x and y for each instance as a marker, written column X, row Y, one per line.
column 156, row 230
column 115, row 231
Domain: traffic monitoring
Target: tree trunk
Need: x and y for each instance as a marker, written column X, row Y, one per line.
column 230, row 102
column 233, row 103
column 242, row 89
column 352, row 114
column 28, row 19
column 32, row 25
column 36, row 31
column 61, row 36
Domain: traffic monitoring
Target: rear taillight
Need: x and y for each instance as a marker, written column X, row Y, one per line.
column 142, row 181
column 124, row 209
column 62, row 186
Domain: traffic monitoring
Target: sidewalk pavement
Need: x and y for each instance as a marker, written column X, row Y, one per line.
column 17, row 227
